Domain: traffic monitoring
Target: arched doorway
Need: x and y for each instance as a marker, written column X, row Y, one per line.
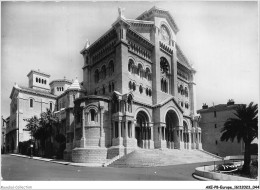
column 172, row 121
column 142, row 129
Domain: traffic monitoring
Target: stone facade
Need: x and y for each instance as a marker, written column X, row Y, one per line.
column 212, row 120
column 140, row 91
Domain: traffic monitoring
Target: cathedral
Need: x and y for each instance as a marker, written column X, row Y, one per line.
column 138, row 92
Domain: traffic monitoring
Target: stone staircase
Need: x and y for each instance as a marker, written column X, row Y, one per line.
column 157, row 157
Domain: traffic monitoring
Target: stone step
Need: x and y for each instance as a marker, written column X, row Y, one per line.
column 157, row 157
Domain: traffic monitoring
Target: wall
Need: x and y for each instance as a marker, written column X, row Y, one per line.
column 211, row 135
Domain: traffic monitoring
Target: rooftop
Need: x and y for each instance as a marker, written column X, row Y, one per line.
column 219, row 107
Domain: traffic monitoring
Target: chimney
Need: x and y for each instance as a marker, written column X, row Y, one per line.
column 230, row 102
column 205, row 106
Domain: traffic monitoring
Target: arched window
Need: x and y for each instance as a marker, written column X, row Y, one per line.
column 165, row 86
column 129, row 102
column 51, row 106
column 36, row 79
column 165, row 35
column 31, row 103
column 113, row 86
column 162, row 86
column 140, row 89
column 130, row 85
column 134, row 86
column 103, row 71
column 111, row 67
column 93, row 115
column 164, row 65
column 181, row 89
column 130, row 65
column 96, row 76
column 186, row 92
column 109, row 87
column 140, row 70
column 104, row 89
column 147, row 91
column 147, row 74
column 44, row 81
column 150, row 92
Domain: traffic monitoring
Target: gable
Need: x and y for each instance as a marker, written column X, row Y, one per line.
column 157, row 12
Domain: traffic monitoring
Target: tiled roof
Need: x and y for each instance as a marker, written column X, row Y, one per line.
column 219, row 107
column 36, row 91
column 39, row 72
column 61, row 80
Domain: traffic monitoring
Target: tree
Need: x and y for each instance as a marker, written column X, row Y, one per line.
column 33, row 125
column 243, row 127
column 48, row 121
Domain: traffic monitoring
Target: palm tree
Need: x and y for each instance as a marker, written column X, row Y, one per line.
column 48, row 121
column 33, row 125
column 243, row 127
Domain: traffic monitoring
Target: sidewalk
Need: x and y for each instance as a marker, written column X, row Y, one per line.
column 59, row 161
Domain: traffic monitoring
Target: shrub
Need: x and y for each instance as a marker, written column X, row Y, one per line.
column 253, row 171
column 254, row 163
column 226, row 167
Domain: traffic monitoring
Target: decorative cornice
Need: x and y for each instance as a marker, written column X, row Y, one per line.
column 39, row 73
column 110, row 34
column 34, row 92
column 141, row 23
column 155, row 11
column 143, row 53
column 104, row 51
column 166, row 48
column 182, row 58
column 140, row 38
column 168, row 100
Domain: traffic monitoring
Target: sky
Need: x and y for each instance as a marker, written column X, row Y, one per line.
column 219, row 38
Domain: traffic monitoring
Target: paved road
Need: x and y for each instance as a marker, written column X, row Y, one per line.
column 18, row 169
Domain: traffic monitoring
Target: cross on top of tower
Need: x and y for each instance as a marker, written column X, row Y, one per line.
column 120, row 12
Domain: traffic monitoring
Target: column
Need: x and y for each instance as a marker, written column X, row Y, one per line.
column 113, row 129
column 101, row 123
column 133, row 129
column 152, row 133
column 126, row 129
column 119, row 129
column 82, row 143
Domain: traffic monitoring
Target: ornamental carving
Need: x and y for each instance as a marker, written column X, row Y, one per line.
column 139, row 51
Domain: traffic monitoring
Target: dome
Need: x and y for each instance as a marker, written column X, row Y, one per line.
column 75, row 85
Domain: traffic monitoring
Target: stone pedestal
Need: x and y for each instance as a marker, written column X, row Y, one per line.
column 188, row 145
column 181, row 145
column 150, row 144
column 89, row 155
column 199, row 146
column 130, row 142
column 82, row 142
column 102, row 141
column 117, row 141
column 172, row 145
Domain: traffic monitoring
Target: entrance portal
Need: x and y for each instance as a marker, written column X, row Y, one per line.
column 172, row 121
column 142, row 129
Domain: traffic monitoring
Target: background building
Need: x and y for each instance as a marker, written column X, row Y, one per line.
column 4, row 123
column 211, row 121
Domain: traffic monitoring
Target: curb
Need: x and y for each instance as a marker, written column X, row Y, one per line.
column 201, row 178
column 57, row 162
